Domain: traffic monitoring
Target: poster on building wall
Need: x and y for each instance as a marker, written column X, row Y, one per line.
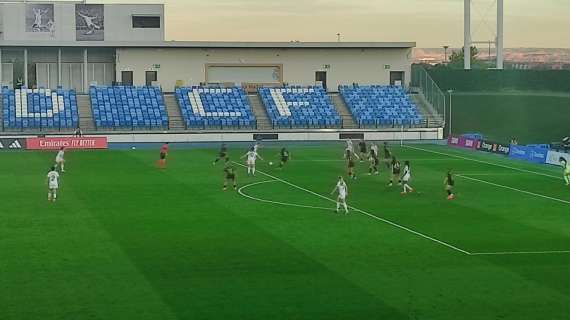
column 40, row 18
column 89, row 22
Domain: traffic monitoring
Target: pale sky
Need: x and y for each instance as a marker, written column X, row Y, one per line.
column 430, row 23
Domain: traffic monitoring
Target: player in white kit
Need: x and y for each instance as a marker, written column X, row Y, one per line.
column 566, row 170
column 53, row 184
column 406, row 177
column 349, row 145
column 251, row 158
column 342, row 190
column 60, row 160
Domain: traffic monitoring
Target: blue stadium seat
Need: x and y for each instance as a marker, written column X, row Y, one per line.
column 380, row 105
column 128, row 107
column 204, row 107
column 39, row 109
column 302, row 107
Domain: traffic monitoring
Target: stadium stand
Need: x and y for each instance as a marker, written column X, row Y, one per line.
column 380, row 105
column 43, row 109
column 294, row 107
column 204, row 107
column 124, row 107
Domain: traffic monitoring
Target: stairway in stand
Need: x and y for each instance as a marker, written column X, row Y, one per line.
column 263, row 121
column 86, row 122
column 175, row 119
column 342, row 109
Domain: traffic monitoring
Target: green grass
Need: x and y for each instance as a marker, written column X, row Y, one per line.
column 128, row 241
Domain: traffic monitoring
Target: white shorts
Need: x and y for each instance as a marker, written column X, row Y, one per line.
column 59, row 160
column 342, row 196
column 406, row 178
column 53, row 186
column 250, row 162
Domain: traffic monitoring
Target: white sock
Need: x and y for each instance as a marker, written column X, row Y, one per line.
column 253, row 170
column 248, row 170
column 62, row 167
column 49, row 196
column 567, row 178
column 337, row 206
column 54, row 196
column 345, row 207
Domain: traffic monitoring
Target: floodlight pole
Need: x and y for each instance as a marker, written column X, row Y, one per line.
column 467, row 34
column 500, row 35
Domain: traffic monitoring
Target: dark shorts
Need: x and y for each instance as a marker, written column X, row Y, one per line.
column 351, row 164
column 230, row 176
column 162, row 156
column 284, row 159
column 362, row 150
column 223, row 154
column 395, row 172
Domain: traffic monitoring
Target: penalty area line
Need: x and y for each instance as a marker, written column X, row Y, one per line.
column 505, row 253
column 417, row 233
column 484, row 162
column 514, row 189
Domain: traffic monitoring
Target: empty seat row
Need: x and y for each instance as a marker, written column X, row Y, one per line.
column 128, row 107
column 203, row 107
column 380, row 105
column 39, row 109
column 299, row 107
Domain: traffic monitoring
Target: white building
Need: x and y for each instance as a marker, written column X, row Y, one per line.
column 77, row 45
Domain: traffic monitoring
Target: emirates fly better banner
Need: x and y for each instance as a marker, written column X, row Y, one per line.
column 68, row 143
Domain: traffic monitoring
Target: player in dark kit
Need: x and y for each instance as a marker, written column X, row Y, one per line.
column 285, row 155
column 223, row 153
column 230, row 174
column 374, row 162
column 396, row 167
column 449, row 184
column 387, row 156
column 363, row 149
column 349, row 156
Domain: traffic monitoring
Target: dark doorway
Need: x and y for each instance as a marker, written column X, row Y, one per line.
column 397, row 78
column 150, row 77
column 127, row 78
column 321, row 78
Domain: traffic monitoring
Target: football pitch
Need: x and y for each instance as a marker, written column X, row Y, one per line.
column 126, row 240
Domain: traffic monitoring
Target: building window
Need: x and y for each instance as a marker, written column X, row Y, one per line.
column 146, row 22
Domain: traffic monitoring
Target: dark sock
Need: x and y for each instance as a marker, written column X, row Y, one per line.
column 448, row 192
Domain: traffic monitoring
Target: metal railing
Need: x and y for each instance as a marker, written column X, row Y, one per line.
column 429, row 88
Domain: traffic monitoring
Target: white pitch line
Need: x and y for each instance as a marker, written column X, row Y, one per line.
column 519, row 252
column 365, row 213
column 485, row 162
column 240, row 191
column 515, row 189
column 344, row 160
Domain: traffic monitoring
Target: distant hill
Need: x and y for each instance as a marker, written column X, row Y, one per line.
column 552, row 57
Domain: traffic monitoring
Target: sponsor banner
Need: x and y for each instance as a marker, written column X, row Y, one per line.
column 553, row 157
column 536, row 155
column 12, row 144
column 493, row 147
column 462, row 142
column 68, row 143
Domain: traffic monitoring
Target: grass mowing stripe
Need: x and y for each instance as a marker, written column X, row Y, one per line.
column 366, row 213
column 514, row 189
column 519, row 252
column 485, row 162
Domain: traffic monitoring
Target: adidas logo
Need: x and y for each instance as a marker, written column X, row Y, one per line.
column 15, row 145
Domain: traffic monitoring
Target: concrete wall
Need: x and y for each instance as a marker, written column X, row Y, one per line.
column 118, row 25
column 364, row 66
